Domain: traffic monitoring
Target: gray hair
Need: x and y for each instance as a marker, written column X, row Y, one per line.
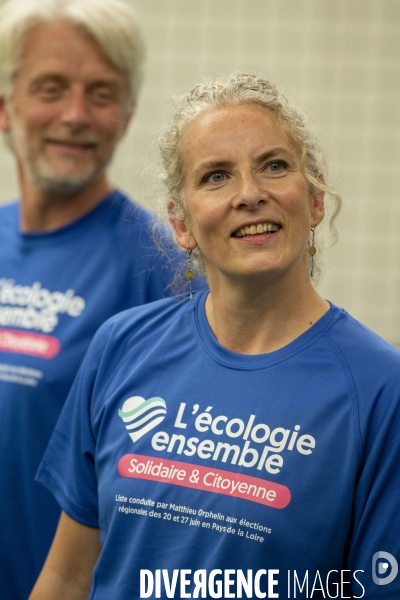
column 111, row 23
column 235, row 90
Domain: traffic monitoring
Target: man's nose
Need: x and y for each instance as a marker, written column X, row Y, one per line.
column 76, row 112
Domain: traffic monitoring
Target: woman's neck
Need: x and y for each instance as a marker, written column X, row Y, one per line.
column 262, row 318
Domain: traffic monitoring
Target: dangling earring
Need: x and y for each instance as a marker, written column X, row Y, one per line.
column 189, row 273
column 312, row 251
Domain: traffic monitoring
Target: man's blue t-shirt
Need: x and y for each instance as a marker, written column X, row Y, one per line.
column 190, row 456
column 56, row 289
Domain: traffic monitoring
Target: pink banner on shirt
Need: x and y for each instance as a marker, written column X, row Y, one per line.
column 34, row 344
column 207, row 478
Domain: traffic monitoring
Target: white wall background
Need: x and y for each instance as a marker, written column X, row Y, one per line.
column 340, row 61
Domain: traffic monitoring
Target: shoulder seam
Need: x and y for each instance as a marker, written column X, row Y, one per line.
column 353, row 394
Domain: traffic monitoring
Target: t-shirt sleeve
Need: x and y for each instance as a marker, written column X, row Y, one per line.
column 376, row 504
column 67, row 469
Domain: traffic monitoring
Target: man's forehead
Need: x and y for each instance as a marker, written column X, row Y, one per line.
column 60, row 48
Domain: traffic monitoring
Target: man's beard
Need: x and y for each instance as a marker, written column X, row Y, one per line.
column 43, row 176
column 46, row 180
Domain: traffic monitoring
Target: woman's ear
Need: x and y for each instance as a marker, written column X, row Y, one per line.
column 182, row 231
column 317, row 202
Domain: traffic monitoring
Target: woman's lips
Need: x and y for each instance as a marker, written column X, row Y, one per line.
column 255, row 229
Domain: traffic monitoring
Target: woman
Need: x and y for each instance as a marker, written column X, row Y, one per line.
column 246, row 441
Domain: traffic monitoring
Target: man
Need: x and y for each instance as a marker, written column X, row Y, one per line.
column 73, row 250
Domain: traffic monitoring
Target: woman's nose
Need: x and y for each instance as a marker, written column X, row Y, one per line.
column 250, row 193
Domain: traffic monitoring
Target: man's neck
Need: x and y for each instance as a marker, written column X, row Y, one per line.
column 46, row 211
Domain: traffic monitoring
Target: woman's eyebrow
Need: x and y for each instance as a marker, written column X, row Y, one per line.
column 273, row 152
column 210, row 165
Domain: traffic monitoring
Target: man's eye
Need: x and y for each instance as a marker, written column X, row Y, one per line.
column 216, row 177
column 102, row 96
column 50, row 90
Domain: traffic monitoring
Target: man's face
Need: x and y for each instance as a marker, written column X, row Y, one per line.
column 68, row 109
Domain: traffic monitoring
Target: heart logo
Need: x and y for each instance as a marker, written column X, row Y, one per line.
column 142, row 415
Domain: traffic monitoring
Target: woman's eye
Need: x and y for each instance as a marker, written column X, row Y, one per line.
column 216, row 177
column 276, row 166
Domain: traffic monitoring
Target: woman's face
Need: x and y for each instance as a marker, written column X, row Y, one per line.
column 248, row 204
